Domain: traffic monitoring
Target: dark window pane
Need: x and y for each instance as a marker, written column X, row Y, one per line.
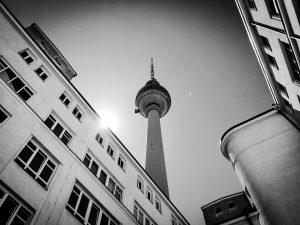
column 24, row 54
column 25, row 154
column 50, row 121
column 2, row 64
column 104, row 220
column 43, row 76
column 103, row 177
column 37, row 161
column 111, row 185
column 31, row 145
column 147, row 221
column 7, row 209
column 25, row 93
column 62, row 97
column 16, row 84
column 94, row 213
column 2, row 193
column 46, row 173
column 67, row 102
column 73, row 199
column 84, row 201
column 22, row 217
column 39, row 71
column 75, row 111
column 58, row 129
column 7, row 75
column 94, row 168
column 3, row 116
column 29, row 59
column 87, row 161
column 141, row 217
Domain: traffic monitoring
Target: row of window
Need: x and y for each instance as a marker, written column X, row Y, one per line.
column 66, row 100
column 149, row 194
column 141, row 216
column 91, row 163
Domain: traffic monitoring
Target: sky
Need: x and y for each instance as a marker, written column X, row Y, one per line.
column 202, row 56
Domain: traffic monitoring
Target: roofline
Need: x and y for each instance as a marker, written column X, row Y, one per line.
column 224, row 197
column 88, row 104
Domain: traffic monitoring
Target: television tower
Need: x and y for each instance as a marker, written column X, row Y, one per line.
column 153, row 101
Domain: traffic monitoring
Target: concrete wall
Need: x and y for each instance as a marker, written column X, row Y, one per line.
column 266, row 157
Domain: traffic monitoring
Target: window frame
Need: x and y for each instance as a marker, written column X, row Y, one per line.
column 173, row 220
column 273, row 9
column 48, row 158
column 67, row 96
column 98, row 138
column 21, row 205
column 150, row 192
column 16, row 79
column 141, row 215
column 30, row 56
column 139, row 179
column 229, row 203
column 43, row 73
column 109, row 150
column 121, row 162
column 157, row 200
column 79, row 111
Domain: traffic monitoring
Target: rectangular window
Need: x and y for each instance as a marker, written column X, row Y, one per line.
column 282, row 89
column 91, row 164
column 27, row 56
column 231, row 205
column 140, row 184
column 86, row 209
column 41, row 72
column 110, row 151
column 99, row 139
column 173, row 220
column 292, row 61
column 115, row 189
column 121, row 162
column 4, row 115
column 273, row 8
column 271, row 60
column 58, row 129
column 12, row 210
column 65, row 98
column 149, row 194
column 14, row 81
column 37, row 163
column 298, row 98
column 141, row 216
column 77, row 112
column 157, row 204
column 103, row 177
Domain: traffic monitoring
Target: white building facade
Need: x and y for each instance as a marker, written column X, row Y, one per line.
column 57, row 165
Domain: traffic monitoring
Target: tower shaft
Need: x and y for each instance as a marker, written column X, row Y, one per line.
column 155, row 159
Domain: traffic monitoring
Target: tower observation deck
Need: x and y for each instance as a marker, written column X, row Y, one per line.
column 153, row 101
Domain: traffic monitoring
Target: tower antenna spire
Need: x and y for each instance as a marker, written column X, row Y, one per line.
column 152, row 69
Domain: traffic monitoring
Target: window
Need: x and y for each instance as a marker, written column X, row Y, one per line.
column 173, row 220
column 251, row 4
column 265, row 42
column 121, row 162
column 115, row 189
column 41, row 73
column 141, row 216
column 77, row 112
column 12, row 210
column 149, row 194
column 65, row 98
column 14, row 81
column 271, row 60
column 273, row 8
column 110, row 151
column 4, row 115
column 140, row 184
column 218, row 210
column 99, row 139
column 282, row 89
column 58, row 129
column 292, row 61
column 87, row 210
column 157, row 204
column 103, row 177
column 231, row 205
column 27, row 56
column 36, row 162
column 298, row 98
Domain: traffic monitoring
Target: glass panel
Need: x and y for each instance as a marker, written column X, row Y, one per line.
column 62, row 97
column 94, row 213
column 58, row 129
column 111, row 186
column 7, row 75
column 2, row 64
column 7, row 209
column 84, row 201
column 94, row 168
column 67, row 102
column 147, row 221
column 25, row 93
column 22, row 217
column 75, row 111
column 16, row 84
column 37, row 161
column 46, row 173
column 24, row 54
column 73, row 199
column 141, row 217
column 50, row 121
column 104, row 220
column 25, row 154
column 86, row 160
column 103, row 177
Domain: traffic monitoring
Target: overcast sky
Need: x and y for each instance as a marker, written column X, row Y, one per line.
column 202, row 56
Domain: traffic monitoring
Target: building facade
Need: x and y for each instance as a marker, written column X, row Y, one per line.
column 233, row 209
column 57, row 165
column 264, row 150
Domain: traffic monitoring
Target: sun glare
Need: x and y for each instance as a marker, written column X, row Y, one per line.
column 108, row 119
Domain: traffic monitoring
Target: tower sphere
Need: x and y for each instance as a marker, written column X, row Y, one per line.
column 153, row 96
